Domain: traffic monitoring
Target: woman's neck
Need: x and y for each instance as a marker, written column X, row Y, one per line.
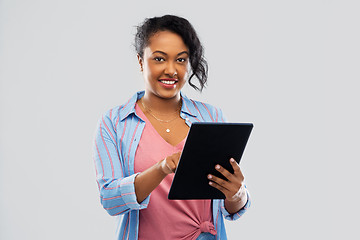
column 162, row 105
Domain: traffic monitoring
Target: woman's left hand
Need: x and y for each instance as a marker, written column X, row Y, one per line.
column 232, row 188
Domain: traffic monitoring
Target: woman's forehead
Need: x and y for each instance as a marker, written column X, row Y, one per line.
column 166, row 41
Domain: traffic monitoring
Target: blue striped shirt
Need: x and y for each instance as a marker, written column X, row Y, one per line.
column 117, row 138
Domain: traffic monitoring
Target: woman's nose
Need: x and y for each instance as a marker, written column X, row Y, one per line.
column 170, row 69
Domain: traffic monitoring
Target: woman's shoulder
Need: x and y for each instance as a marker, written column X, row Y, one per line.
column 206, row 111
column 121, row 111
column 113, row 113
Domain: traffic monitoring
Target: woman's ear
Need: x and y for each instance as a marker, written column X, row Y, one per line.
column 140, row 62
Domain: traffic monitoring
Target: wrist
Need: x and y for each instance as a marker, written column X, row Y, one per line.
column 239, row 196
column 236, row 203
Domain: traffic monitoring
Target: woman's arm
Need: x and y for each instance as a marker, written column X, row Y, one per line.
column 120, row 193
column 233, row 206
column 116, row 186
column 148, row 180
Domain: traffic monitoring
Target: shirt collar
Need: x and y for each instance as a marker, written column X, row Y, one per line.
column 129, row 107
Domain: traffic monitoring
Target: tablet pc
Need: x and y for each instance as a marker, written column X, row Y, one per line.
column 207, row 144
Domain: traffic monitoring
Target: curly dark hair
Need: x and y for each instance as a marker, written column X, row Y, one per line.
column 185, row 30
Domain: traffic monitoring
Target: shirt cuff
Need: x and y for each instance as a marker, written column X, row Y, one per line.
column 129, row 196
column 238, row 214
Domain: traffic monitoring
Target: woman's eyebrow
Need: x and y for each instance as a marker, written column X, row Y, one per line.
column 161, row 52
column 182, row 53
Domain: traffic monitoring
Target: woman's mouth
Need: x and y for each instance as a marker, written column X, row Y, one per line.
column 168, row 83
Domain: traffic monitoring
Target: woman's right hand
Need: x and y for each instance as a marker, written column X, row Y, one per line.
column 148, row 180
column 169, row 164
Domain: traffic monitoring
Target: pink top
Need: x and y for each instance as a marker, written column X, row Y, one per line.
column 163, row 218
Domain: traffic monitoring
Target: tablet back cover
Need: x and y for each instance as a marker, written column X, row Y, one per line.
column 207, row 144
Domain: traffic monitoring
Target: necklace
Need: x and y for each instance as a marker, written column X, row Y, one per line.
column 158, row 119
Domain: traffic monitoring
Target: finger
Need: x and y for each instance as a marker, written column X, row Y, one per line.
column 221, row 182
column 237, row 171
column 219, row 187
column 235, row 165
column 177, row 158
column 224, row 172
column 172, row 162
column 173, row 166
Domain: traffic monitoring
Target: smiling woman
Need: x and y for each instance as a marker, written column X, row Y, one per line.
column 138, row 144
column 164, row 65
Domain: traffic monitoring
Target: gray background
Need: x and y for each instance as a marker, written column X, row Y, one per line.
column 290, row 67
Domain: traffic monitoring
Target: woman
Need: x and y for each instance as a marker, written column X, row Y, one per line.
column 138, row 144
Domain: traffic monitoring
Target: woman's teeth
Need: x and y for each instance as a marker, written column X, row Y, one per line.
column 168, row 82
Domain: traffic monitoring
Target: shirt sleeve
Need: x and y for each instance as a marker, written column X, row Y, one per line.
column 219, row 115
column 117, row 191
column 238, row 214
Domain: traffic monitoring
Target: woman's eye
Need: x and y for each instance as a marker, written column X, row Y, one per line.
column 159, row 59
column 181, row 60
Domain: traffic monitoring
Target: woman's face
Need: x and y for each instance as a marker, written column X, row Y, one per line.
column 165, row 65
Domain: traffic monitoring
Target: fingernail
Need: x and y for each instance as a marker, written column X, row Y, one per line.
column 232, row 160
column 210, row 183
column 217, row 167
column 209, row 176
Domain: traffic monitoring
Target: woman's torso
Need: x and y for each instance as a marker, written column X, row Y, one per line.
column 163, row 218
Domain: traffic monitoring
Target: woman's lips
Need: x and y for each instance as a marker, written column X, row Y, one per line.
column 168, row 82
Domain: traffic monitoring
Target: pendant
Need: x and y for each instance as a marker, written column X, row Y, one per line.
column 167, row 130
